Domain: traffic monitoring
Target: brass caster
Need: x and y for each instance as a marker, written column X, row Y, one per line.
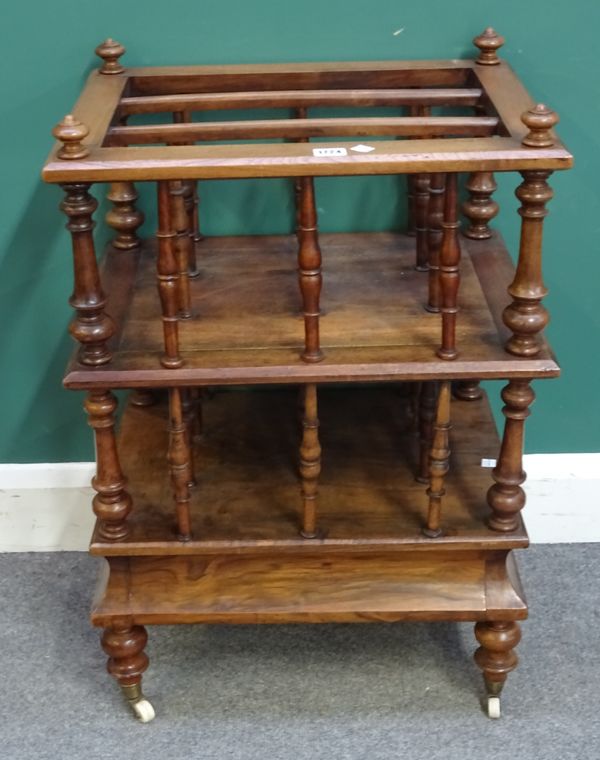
column 492, row 704
column 493, row 707
column 142, row 708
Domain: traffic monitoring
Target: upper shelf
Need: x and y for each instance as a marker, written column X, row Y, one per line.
column 467, row 116
column 247, row 325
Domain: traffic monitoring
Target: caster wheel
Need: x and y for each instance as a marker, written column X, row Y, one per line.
column 143, row 710
column 493, row 707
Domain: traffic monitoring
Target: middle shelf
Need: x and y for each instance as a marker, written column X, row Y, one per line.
column 247, row 327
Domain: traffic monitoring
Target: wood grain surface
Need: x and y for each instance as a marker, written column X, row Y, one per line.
column 247, row 324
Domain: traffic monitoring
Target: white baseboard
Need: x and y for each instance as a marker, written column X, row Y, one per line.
column 46, row 507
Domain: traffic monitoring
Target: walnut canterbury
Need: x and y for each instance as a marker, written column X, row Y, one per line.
column 200, row 516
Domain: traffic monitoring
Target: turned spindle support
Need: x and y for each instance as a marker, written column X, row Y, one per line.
column 184, row 248
column 188, row 405
column 179, row 458
column 310, row 461
column 479, row 208
column 421, row 192
column 91, row 327
column 439, row 462
column 449, row 270
column 124, row 644
column 143, row 397
column 192, row 202
column 309, row 269
column 526, row 316
column 190, row 199
column 426, row 415
column 112, row 503
column 167, row 274
column 506, row 498
column 467, row 390
column 488, row 42
column 496, row 657
column 434, row 238
column 410, row 205
column 110, row 51
column 124, row 217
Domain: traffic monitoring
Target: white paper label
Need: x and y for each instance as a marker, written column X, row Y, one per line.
column 330, row 152
column 488, row 462
column 363, row 148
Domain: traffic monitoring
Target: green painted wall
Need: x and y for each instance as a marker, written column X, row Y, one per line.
column 48, row 51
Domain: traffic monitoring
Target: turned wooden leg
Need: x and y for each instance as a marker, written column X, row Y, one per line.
column 427, row 406
column 124, row 644
column 449, row 270
column 439, row 462
column 309, row 265
column 310, row 462
column 179, row 461
column 506, row 497
column 467, row 390
column 421, row 190
column 167, row 273
column 91, row 327
column 434, row 238
column 480, row 209
column 184, row 248
column 124, row 217
column 526, row 317
column 496, row 658
column 112, row 503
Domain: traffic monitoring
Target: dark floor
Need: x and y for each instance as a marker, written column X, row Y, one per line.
column 277, row 692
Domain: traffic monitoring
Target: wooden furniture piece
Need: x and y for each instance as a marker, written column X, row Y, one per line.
column 217, row 505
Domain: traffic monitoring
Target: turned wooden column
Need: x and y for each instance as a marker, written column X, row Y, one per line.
column 179, row 458
column 526, row 316
column 410, row 204
column 496, row 656
column 449, row 270
column 310, row 461
column 439, row 461
column 467, row 390
column 92, row 327
column 480, row 208
column 421, row 194
column 309, row 265
column 427, row 406
column 124, row 217
column 188, row 406
column 112, row 503
column 167, row 272
column 190, row 198
column 506, row 497
column 434, row 238
column 184, row 245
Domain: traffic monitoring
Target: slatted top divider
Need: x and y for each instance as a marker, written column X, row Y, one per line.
column 467, row 116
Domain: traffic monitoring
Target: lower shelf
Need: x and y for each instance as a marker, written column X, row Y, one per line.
column 247, row 497
column 312, row 588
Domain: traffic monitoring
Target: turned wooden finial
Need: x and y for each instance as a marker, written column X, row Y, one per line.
column 110, row 51
column 539, row 120
column 488, row 42
column 70, row 131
